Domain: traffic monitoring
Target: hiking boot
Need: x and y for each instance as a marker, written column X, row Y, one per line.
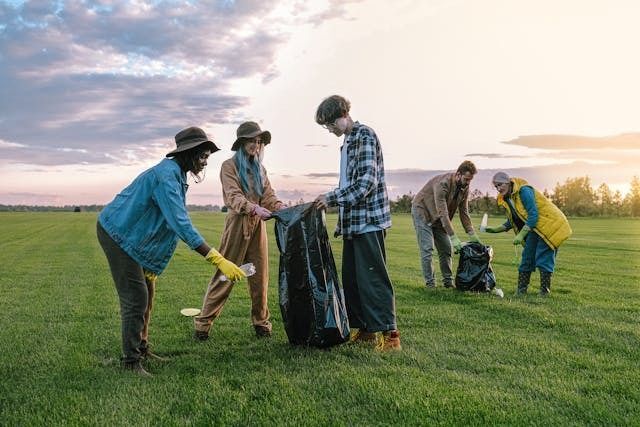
column 362, row 336
column 449, row 285
column 200, row 335
column 545, row 283
column 390, row 341
column 136, row 368
column 523, row 282
column 149, row 355
column 262, row 332
column 430, row 285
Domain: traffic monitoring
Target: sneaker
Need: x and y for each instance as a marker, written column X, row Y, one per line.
column 430, row 285
column 390, row 341
column 201, row 335
column 362, row 336
column 449, row 285
column 262, row 332
column 136, row 368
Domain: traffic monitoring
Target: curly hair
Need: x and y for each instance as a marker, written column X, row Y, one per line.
column 467, row 166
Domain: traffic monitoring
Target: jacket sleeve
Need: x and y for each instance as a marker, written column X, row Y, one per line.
column 465, row 219
column 440, row 194
column 269, row 199
column 528, row 198
column 366, row 170
column 169, row 197
column 234, row 197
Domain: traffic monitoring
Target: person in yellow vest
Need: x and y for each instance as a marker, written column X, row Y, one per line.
column 539, row 225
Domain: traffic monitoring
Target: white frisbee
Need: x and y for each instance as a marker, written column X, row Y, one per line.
column 190, row 312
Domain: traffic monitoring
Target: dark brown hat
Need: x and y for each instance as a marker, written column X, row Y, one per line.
column 250, row 130
column 189, row 138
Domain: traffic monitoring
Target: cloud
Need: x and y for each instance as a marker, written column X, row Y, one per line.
column 626, row 141
column 323, row 175
column 496, row 156
column 102, row 82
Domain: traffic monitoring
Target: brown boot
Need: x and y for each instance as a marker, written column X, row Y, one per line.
column 262, row 332
column 362, row 336
column 390, row 341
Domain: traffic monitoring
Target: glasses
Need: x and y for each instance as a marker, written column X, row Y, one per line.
column 499, row 185
column 330, row 125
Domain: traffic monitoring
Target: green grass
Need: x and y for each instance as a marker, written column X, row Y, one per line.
column 571, row 359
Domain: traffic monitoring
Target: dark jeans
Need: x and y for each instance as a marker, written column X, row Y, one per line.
column 368, row 291
column 133, row 293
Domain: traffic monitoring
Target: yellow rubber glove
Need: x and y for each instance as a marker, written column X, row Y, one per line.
column 228, row 268
column 150, row 276
column 519, row 240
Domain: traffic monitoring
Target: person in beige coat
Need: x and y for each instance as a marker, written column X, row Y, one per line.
column 249, row 197
column 432, row 210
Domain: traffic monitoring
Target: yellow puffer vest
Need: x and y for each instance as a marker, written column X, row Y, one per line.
column 553, row 227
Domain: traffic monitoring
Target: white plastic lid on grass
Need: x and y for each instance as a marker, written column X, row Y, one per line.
column 190, row 312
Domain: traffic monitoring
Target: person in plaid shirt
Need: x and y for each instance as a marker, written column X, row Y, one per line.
column 364, row 215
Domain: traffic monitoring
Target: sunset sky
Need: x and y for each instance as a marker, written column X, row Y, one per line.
column 92, row 93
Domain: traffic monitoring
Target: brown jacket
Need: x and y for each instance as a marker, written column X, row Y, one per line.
column 436, row 203
column 241, row 204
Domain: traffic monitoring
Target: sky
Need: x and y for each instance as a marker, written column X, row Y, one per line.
column 93, row 92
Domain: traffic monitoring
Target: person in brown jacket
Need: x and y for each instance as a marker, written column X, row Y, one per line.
column 432, row 210
column 249, row 197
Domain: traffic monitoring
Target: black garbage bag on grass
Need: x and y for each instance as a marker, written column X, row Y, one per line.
column 311, row 300
column 474, row 268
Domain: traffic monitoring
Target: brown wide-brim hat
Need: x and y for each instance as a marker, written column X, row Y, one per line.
column 250, row 130
column 190, row 138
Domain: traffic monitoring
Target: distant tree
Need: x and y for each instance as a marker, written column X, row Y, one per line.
column 605, row 200
column 575, row 197
column 484, row 203
column 634, row 197
column 402, row 204
column 619, row 206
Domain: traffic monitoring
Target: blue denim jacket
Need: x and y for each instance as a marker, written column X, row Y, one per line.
column 147, row 218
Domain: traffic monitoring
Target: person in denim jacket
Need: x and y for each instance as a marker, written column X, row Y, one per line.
column 139, row 232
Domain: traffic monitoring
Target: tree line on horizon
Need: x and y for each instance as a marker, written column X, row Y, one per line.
column 575, row 197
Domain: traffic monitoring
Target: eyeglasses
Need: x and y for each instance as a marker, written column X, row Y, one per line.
column 330, row 125
column 499, row 185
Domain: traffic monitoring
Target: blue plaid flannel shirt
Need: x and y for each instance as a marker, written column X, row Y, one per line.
column 364, row 200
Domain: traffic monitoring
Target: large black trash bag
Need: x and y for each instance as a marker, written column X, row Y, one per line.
column 474, row 269
column 311, row 300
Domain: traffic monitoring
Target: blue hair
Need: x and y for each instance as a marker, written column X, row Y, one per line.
column 246, row 166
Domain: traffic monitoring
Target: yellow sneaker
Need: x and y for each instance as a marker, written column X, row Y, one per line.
column 390, row 341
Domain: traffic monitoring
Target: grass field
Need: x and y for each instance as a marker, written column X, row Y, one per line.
column 571, row 359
